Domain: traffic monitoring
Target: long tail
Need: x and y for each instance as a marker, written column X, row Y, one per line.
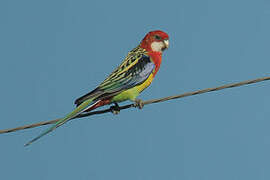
column 81, row 108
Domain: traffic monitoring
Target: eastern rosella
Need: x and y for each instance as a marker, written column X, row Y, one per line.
column 134, row 74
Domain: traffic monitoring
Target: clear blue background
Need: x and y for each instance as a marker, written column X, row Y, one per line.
column 52, row 52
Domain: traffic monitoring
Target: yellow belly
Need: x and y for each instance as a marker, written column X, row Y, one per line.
column 131, row 94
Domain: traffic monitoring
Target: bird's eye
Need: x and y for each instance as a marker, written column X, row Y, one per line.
column 157, row 37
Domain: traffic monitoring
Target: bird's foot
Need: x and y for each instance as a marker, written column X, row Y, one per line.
column 139, row 103
column 115, row 109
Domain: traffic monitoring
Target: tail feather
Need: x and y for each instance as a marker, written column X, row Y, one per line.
column 81, row 108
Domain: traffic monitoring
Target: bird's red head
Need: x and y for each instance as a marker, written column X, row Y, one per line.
column 155, row 41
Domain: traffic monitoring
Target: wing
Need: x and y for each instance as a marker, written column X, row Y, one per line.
column 134, row 70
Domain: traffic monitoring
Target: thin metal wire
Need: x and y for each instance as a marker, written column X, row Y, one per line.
column 152, row 101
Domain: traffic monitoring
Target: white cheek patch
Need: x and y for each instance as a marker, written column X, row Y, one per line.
column 157, row 46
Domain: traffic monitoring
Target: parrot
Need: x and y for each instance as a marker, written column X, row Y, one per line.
column 126, row 82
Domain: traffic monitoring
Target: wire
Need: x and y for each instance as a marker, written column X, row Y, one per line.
column 152, row 101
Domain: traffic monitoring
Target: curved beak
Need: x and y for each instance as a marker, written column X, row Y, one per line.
column 166, row 43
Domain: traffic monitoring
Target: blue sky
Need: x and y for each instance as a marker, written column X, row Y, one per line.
column 55, row 51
